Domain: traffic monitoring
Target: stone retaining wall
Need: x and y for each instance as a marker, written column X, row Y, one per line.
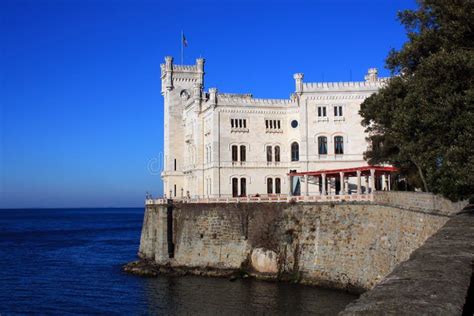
column 345, row 245
column 434, row 281
column 418, row 201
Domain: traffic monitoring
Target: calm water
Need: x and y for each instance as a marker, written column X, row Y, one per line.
column 68, row 261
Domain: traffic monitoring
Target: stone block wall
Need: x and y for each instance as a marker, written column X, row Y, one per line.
column 438, row 279
column 153, row 240
column 346, row 245
column 419, row 201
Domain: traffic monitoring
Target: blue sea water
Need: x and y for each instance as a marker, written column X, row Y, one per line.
column 68, row 261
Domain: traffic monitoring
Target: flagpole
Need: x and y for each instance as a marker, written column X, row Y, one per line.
column 182, row 48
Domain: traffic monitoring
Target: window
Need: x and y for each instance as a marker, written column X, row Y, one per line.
column 321, row 111
column 277, row 185
column 277, row 153
column 338, row 110
column 243, row 187
column 269, row 185
column 238, row 124
column 175, row 165
column 294, row 123
column 208, row 153
column 234, row 153
column 235, row 187
column 295, row 152
column 242, row 152
column 322, row 145
column 269, row 153
column 338, row 145
column 273, row 125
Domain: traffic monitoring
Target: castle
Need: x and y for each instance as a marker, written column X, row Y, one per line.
column 233, row 145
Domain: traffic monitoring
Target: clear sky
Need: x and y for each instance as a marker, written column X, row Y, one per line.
column 81, row 111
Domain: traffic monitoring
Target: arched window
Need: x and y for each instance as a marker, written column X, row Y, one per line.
column 269, row 153
column 242, row 152
column 322, row 145
column 243, row 187
column 277, row 185
column 269, row 185
column 295, row 152
column 235, row 187
column 277, row 153
column 338, row 145
column 234, row 153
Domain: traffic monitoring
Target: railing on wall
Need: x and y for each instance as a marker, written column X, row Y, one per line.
column 417, row 201
column 267, row 199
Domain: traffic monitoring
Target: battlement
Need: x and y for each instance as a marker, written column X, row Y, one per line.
column 248, row 99
column 372, row 82
column 236, row 95
column 185, row 68
column 343, row 85
column 187, row 74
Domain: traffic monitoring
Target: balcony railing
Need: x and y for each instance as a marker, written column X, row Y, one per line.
column 266, row 199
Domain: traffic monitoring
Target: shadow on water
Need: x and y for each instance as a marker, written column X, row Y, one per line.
column 199, row 295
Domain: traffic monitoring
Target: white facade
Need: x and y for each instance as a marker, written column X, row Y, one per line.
column 220, row 144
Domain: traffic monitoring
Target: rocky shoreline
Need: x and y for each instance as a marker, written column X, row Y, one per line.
column 149, row 268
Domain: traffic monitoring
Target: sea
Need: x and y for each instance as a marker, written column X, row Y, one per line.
column 68, row 261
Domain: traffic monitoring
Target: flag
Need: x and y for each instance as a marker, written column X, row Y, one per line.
column 185, row 42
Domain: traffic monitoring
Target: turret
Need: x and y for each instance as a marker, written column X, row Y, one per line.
column 213, row 97
column 298, row 82
column 372, row 75
column 200, row 70
column 168, row 72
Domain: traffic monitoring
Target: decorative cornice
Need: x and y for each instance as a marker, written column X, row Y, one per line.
column 184, row 79
column 256, row 111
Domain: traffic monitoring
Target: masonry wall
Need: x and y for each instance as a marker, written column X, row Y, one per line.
column 438, row 279
column 338, row 245
column 423, row 201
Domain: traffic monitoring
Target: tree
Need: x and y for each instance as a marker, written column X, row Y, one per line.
column 422, row 121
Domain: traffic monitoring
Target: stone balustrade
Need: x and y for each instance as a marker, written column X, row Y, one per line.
column 420, row 201
column 266, row 199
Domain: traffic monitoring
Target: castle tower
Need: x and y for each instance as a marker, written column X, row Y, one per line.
column 181, row 87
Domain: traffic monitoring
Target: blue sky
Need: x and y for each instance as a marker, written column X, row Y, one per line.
column 81, row 111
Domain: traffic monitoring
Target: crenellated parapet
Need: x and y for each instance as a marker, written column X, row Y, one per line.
column 186, row 75
column 372, row 83
column 248, row 100
column 185, row 68
column 344, row 86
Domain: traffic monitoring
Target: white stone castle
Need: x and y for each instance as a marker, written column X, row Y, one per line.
column 233, row 145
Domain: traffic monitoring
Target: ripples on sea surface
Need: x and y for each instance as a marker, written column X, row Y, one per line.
column 60, row 261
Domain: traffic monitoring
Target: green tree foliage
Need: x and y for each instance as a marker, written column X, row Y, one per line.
column 422, row 121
